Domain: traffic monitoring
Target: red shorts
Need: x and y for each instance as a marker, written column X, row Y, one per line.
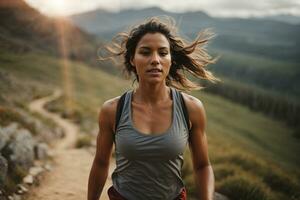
column 114, row 195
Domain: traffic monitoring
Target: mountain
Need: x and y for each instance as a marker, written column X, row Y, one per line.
column 263, row 37
column 23, row 29
column 104, row 23
column 292, row 19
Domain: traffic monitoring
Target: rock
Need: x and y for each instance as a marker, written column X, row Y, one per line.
column 6, row 133
column 28, row 179
column 218, row 196
column 19, row 192
column 3, row 170
column 11, row 129
column 22, row 189
column 44, row 132
column 20, row 149
column 34, row 171
column 40, row 151
column 4, row 138
column 16, row 197
column 48, row 167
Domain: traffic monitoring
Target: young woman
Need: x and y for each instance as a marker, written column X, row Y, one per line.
column 152, row 132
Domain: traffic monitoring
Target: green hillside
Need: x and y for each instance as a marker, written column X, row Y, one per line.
column 278, row 76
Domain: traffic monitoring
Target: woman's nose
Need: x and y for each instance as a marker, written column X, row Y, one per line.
column 155, row 59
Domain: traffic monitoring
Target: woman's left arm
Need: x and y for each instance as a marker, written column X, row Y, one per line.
column 205, row 181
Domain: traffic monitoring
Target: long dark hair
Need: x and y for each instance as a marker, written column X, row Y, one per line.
column 186, row 57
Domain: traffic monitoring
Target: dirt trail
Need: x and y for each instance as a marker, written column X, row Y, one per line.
column 69, row 177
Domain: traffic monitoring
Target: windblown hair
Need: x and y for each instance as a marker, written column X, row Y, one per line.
column 186, row 57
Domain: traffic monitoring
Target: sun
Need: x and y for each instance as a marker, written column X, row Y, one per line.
column 57, row 7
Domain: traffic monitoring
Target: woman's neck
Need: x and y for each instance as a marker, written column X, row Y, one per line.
column 152, row 94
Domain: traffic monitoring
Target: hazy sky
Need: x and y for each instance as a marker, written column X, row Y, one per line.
column 239, row 8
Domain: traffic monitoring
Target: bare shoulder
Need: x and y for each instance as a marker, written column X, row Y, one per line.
column 195, row 109
column 110, row 105
column 108, row 111
column 193, row 104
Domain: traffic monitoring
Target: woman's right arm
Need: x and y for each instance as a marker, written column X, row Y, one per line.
column 100, row 167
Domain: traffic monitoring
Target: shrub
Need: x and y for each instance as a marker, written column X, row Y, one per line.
column 83, row 141
column 15, row 176
column 8, row 115
column 223, row 171
column 241, row 188
column 282, row 183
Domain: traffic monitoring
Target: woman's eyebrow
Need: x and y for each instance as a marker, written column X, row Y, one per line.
column 147, row 48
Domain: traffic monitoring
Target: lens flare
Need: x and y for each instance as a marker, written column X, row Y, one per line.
column 57, row 7
column 67, row 82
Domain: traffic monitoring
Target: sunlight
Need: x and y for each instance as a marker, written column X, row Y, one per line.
column 57, row 7
column 66, row 68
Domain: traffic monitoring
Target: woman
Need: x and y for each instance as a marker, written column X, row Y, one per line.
column 152, row 134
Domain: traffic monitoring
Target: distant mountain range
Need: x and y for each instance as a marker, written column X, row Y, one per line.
column 257, row 36
column 292, row 19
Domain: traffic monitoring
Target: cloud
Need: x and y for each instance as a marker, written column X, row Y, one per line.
column 213, row 7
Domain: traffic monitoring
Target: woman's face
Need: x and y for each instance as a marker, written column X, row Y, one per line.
column 152, row 58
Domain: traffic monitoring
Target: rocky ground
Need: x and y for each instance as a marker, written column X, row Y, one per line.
column 63, row 175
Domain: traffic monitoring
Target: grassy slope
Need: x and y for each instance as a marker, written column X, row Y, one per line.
column 234, row 132
column 275, row 75
column 234, row 125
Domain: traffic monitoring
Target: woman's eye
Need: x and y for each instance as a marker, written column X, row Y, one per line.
column 163, row 53
column 147, row 53
column 144, row 52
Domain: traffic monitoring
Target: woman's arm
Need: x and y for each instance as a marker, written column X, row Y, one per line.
column 204, row 175
column 100, row 167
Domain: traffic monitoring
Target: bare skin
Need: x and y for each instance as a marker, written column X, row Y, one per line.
column 152, row 114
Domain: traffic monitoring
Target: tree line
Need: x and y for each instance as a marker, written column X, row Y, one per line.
column 270, row 103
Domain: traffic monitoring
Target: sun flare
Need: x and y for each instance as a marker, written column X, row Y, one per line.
column 58, row 7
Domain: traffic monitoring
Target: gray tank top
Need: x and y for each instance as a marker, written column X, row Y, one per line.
column 149, row 166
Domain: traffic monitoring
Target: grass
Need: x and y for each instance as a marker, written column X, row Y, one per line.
column 276, row 75
column 8, row 115
column 15, row 176
column 83, row 141
column 247, row 190
column 250, row 153
column 233, row 125
column 42, row 73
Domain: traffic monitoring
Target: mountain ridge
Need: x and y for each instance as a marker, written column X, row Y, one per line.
column 242, row 35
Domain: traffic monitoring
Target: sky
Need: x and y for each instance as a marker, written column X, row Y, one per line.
column 218, row 8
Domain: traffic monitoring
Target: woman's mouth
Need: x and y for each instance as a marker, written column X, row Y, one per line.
column 154, row 71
